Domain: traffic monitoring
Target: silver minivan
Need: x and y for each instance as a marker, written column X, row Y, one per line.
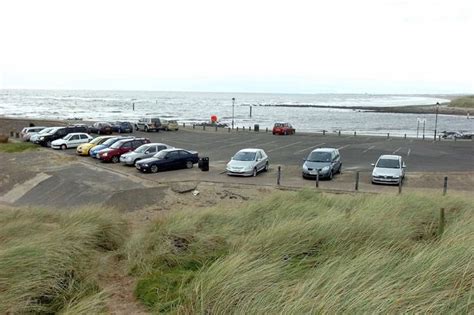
column 143, row 152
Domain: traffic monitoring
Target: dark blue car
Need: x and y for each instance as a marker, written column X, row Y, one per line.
column 168, row 159
column 122, row 127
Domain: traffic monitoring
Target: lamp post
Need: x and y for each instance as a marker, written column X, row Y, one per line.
column 436, row 120
column 233, row 105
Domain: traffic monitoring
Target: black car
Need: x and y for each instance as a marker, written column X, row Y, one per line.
column 46, row 140
column 168, row 159
column 101, row 128
column 122, row 127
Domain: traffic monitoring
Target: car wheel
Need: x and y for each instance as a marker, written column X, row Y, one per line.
column 115, row 159
column 146, row 129
column 339, row 171
column 154, row 169
column 330, row 175
column 63, row 147
column 135, row 162
column 189, row 164
column 254, row 172
column 266, row 167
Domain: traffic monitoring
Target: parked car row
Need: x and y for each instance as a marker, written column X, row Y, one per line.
column 153, row 157
column 156, row 124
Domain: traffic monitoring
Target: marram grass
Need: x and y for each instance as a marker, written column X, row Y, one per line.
column 311, row 253
column 47, row 259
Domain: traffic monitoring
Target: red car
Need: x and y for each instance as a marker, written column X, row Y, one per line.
column 283, row 129
column 113, row 153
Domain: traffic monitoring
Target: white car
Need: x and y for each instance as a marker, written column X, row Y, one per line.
column 389, row 169
column 27, row 132
column 71, row 140
column 248, row 162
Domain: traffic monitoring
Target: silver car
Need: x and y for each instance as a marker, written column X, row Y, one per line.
column 143, row 152
column 389, row 169
column 248, row 162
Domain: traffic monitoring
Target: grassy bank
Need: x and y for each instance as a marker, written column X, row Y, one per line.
column 465, row 102
column 17, row 147
column 311, row 253
column 48, row 259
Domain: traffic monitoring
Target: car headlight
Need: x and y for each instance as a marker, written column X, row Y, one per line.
column 41, row 138
column 145, row 165
column 325, row 169
column 105, row 154
column 305, row 167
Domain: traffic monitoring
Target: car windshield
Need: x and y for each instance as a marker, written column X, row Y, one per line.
column 110, row 141
column 67, row 137
column 388, row 163
column 96, row 140
column 319, row 157
column 244, row 156
column 141, row 149
column 160, row 155
column 45, row 130
column 117, row 145
column 172, row 122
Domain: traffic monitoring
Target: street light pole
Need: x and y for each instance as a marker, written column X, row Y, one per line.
column 233, row 105
column 436, row 120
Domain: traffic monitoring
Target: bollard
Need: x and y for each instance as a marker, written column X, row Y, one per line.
column 243, row 128
column 355, row 133
column 423, row 136
column 12, row 133
column 439, row 138
column 339, row 133
column 216, row 128
column 266, row 129
column 445, row 185
column 184, row 125
column 400, row 186
column 278, row 175
column 250, row 128
column 388, row 135
column 194, row 126
column 357, row 181
column 324, row 132
column 405, row 137
column 203, row 127
column 237, row 129
column 317, row 178
column 228, row 129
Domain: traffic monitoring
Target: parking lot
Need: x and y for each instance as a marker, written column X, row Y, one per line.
column 427, row 161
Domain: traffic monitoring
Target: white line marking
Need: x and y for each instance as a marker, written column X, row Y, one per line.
column 343, row 147
column 369, row 148
column 409, row 150
column 309, row 148
column 396, row 150
column 285, row 146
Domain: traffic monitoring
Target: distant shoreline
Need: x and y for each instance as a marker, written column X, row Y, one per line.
column 411, row 109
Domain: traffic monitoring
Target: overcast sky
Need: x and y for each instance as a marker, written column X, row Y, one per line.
column 361, row 46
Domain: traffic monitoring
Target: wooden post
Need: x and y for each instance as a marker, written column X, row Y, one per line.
column 357, row 181
column 184, row 125
column 405, row 137
column 228, row 129
column 445, row 185
column 324, row 132
column 339, row 133
column 237, row 129
column 194, row 126
column 266, row 129
column 278, row 175
column 216, row 128
column 250, row 111
column 317, row 178
column 400, row 185
column 355, row 133
column 388, row 135
column 203, row 127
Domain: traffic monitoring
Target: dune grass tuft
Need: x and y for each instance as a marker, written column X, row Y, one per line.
column 47, row 259
column 311, row 253
column 464, row 101
column 16, row 147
